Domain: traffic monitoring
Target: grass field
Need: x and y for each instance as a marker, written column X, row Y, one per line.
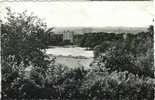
column 71, row 56
column 73, row 62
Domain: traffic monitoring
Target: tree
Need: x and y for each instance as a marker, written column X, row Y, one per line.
column 23, row 43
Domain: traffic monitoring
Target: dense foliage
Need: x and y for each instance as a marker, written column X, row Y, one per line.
column 23, row 43
column 122, row 69
column 90, row 40
column 133, row 54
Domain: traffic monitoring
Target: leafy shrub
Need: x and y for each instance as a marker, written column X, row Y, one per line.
column 134, row 54
column 116, row 86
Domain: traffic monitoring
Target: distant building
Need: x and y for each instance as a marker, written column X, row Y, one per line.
column 67, row 35
column 124, row 36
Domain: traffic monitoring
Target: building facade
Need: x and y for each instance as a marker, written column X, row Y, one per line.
column 67, row 35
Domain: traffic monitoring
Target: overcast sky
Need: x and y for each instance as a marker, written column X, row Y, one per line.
column 87, row 14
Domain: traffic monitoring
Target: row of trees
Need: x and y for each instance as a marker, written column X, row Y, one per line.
column 28, row 73
column 90, row 40
column 134, row 53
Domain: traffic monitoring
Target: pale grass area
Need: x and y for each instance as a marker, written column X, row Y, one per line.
column 72, row 62
column 72, row 57
column 70, row 51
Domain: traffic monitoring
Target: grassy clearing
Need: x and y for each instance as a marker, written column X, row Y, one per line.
column 74, row 62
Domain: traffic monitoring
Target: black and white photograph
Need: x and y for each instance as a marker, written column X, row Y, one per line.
column 101, row 50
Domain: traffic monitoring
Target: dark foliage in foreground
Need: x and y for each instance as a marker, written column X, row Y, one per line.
column 27, row 72
column 133, row 54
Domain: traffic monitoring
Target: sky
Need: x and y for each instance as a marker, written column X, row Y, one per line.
column 87, row 14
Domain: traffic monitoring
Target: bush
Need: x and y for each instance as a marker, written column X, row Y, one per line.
column 134, row 54
column 116, row 86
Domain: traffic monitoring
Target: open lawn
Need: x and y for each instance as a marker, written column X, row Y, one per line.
column 71, row 56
